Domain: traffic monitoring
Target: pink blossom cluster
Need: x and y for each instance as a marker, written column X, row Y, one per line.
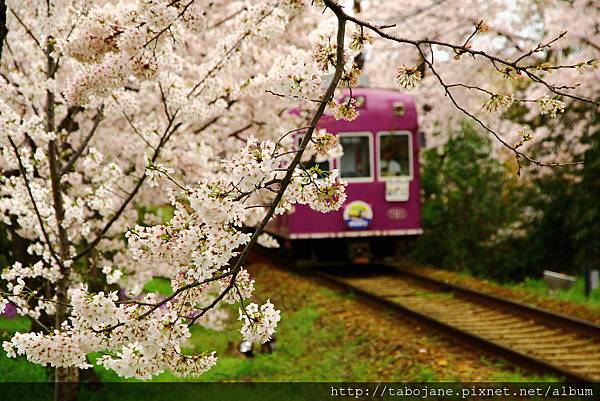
column 259, row 322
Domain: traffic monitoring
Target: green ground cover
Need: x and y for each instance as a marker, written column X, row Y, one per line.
column 299, row 335
column 574, row 294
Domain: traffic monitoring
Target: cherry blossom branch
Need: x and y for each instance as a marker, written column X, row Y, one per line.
column 134, row 128
column 235, row 134
column 18, row 66
column 31, row 296
column 27, row 29
column 228, row 54
column 291, row 132
column 163, row 99
column 84, row 143
column 57, row 197
column 207, row 124
column 16, row 86
column 421, row 10
column 292, row 96
column 168, row 27
column 227, row 18
column 35, row 207
column 486, row 91
column 518, row 154
column 157, row 305
column 68, row 122
column 285, row 182
column 540, row 47
column 43, row 326
column 168, row 132
column 168, row 176
column 458, row 49
column 589, row 42
column 495, row 60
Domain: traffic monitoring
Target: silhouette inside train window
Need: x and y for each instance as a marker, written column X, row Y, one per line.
column 355, row 164
column 394, row 156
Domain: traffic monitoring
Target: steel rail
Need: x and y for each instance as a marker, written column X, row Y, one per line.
column 515, row 357
column 551, row 318
column 494, row 302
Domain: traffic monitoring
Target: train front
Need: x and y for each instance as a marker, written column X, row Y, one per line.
column 380, row 163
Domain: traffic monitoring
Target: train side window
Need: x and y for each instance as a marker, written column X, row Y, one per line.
column 395, row 156
column 324, row 165
column 356, row 163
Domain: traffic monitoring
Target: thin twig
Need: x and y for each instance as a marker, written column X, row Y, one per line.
column 84, row 143
column 29, row 32
column 37, row 211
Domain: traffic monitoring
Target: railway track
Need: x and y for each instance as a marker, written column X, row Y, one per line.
column 529, row 337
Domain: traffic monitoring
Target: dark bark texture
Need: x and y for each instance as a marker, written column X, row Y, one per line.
column 3, row 28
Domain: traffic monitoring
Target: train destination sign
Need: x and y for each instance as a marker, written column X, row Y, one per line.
column 397, row 190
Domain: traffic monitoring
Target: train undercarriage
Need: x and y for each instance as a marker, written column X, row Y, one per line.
column 358, row 251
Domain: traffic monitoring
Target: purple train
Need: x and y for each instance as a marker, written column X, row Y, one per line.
column 381, row 166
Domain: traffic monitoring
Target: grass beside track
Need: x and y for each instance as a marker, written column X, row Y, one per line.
column 575, row 294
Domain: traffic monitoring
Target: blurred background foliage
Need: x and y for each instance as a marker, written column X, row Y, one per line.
column 469, row 199
column 481, row 218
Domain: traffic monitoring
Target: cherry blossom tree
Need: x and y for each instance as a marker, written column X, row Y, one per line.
column 566, row 135
column 111, row 110
column 136, row 95
column 548, row 33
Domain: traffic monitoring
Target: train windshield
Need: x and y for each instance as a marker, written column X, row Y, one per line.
column 356, row 161
column 394, row 155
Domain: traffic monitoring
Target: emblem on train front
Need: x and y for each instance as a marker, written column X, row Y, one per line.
column 358, row 214
column 397, row 213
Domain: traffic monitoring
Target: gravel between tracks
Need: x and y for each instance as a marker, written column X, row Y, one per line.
column 521, row 295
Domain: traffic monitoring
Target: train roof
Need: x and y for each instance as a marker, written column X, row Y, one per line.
column 379, row 109
column 381, row 94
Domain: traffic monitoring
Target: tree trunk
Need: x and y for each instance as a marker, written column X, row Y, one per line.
column 66, row 380
column 66, row 384
column 3, row 29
